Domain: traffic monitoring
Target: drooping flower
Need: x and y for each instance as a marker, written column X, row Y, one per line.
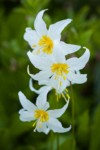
column 43, row 41
column 57, row 72
column 44, row 120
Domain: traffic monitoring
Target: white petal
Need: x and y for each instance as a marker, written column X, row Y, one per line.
column 21, row 110
column 39, row 23
column 77, row 78
column 43, row 75
column 43, row 82
column 31, row 37
column 65, row 83
column 39, row 91
column 42, row 98
column 42, row 128
column 45, row 106
column 79, row 63
column 61, row 84
column 56, row 84
column 32, row 88
column 26, row 116
column 68, row 48
column 31, row 75
column 56, row 29
column 27, row 105
column 49, row 82
column 40, row 63
column 56, row 126
column 58, row 55
column 40, row 77
column 56, row 113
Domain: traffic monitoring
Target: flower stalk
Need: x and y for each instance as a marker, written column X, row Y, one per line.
column 73, row 117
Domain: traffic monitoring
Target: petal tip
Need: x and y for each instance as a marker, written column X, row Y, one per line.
column 20, row 93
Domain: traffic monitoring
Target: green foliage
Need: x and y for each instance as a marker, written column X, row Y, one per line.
column 95, row 132
column 85, row 31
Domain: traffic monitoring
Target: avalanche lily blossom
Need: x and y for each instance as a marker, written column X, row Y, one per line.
column 43, row 41
column 44, row 120
column 57, row 72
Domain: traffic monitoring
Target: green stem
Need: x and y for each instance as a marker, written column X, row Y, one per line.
column 73, row 117
column 57, row 141
column 51, row 144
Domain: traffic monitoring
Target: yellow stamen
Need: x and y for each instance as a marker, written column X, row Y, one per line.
column 34, row 124
column 68, row 96
column 47, row 44
column 42, row 115
column 66, row 90
column 60, row 69
column 64, row 94
column 57, row 98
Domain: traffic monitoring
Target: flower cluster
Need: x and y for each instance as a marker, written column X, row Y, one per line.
column 56, row 72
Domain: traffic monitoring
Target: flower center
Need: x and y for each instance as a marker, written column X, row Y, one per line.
column 47, row 44
column 60, row 70
column 41, row 115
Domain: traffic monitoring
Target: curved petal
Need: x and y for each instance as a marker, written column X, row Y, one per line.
column 77, row 78
column 43, row 75
column 42, row 128
column 26, row 116
column 56, row 113
column 31, row 37
column 56, row 29
column 31, row 75
column 42, row 98
column 43, row 82
column 68, row 48
column 39, row 91
column 79, row 63
column 39, row 23
column 40, row 63
column 56, row 126
column 21, row 110
column 27, row 105
column 32, row 88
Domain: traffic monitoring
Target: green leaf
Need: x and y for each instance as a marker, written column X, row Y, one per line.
column 95, row 131
column 68, row 143
column 83, row 128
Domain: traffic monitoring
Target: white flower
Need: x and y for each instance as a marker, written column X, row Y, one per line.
column 57, row 72
column 43, row 41
column 45, row 120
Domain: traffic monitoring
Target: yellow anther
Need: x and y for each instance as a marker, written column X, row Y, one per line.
column 47, row 44
column 34, row 124
column 60, row 69
column 68, row 96
column 42, row 115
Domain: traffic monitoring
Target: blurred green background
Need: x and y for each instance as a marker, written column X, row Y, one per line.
column 15, row 16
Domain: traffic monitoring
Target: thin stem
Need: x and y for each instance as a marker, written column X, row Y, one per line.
column 57, row 141
column 51, row 144
column 73, row 117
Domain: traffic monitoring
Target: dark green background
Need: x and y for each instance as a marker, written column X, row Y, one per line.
column 15, row 16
